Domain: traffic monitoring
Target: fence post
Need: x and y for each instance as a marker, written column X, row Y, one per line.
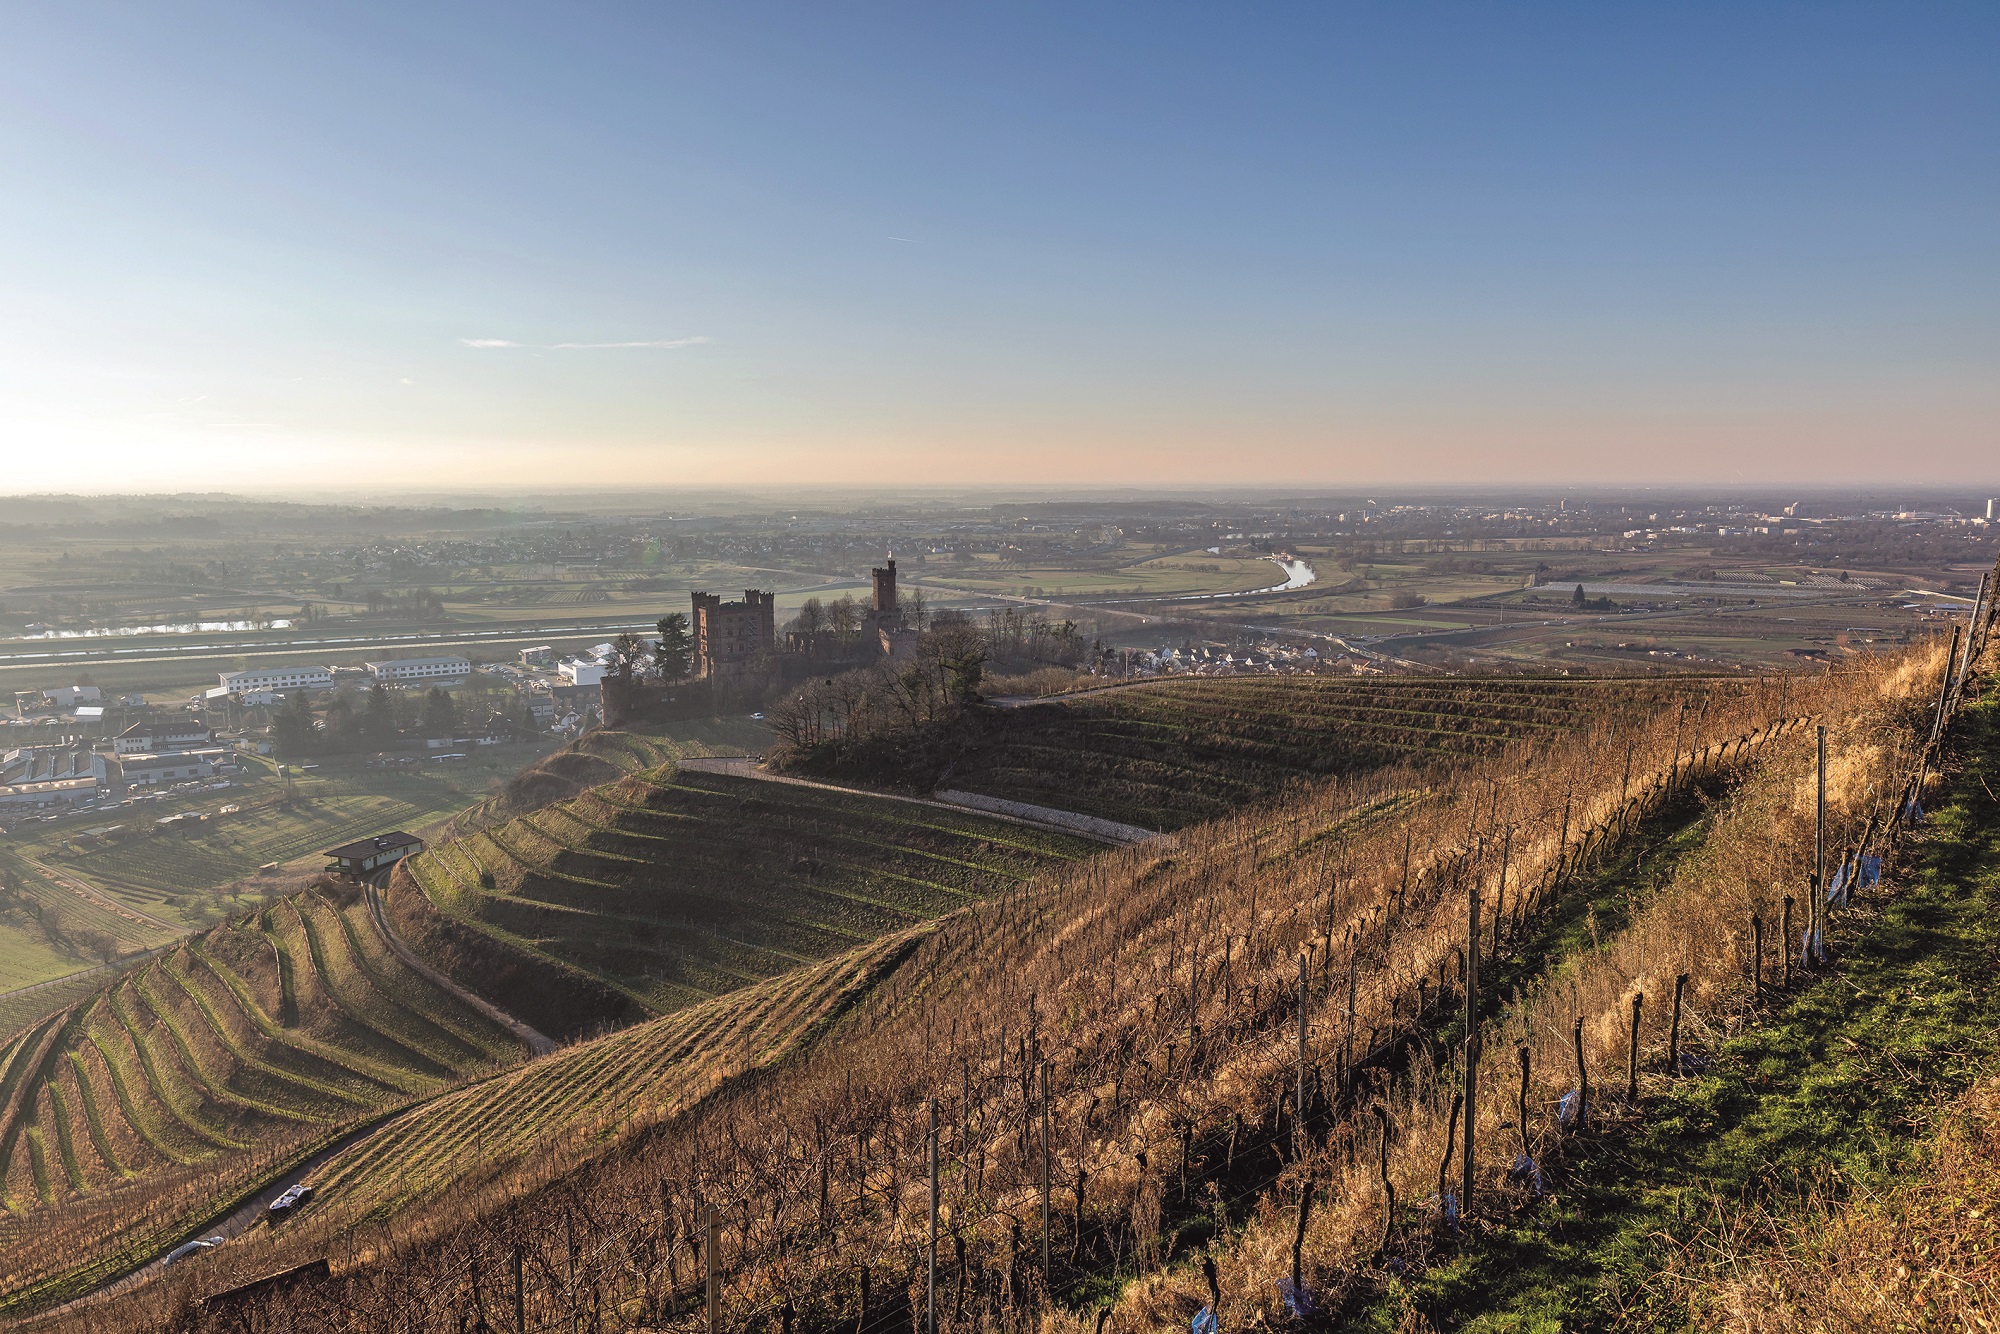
column 930, row 1277
column 1632, row 1053
column 1674, row 1034
column 1471, row 1039
column 711, row 1267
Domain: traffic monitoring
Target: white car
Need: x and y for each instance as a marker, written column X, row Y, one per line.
column 294, row 1196
column 196, row 1247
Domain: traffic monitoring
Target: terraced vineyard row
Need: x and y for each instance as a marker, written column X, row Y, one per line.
column 593, row 1092
column 675, row 887
column 253, row 1033
column 1171, row 754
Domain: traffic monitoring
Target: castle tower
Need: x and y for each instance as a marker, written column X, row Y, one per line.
column 734, row 639
column 884, row 581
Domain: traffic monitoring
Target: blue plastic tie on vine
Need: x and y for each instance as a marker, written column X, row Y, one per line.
column 1449, row 1206
column 1203, row 1322
column 1526, row 1172
column 1298, row 1300
column 1566, row 1109
column 1871, row 871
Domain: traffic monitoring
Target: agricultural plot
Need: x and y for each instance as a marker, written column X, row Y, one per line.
column 674, row 887
column 1126, row 574
column 592, row 1093
column 1168, row 755
column 173, row 874
column 258, row 1033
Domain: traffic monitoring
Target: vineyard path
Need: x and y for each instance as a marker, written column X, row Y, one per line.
column 538, row 1043
column 1015, row 812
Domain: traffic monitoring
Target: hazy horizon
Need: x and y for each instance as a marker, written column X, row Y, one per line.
column 508, row 250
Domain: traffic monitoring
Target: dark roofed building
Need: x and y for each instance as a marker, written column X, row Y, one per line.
column 372, row 854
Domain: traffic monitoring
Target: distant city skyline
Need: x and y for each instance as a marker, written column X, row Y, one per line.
column 416, row 248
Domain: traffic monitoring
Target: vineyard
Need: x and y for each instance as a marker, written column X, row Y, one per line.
column 1232, row 1072
column 489, row 1137
column 671, row 887
column 238, row 1047
column 602, row 755
column 1367, row 1052
column 1167, row 755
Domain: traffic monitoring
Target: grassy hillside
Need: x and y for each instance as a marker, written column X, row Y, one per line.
column 1170, row 754
column 670, row 887
column 603, row 755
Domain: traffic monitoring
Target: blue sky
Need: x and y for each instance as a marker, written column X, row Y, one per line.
column 423, row 244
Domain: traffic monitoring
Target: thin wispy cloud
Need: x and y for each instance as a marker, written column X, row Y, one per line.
column 642, row 342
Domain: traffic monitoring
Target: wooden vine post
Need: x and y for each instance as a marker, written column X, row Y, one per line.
column 520, row 1295
column 1819, row 845
column 930, row 1276
column 1674, row 1033
column 1299, row 1091
column 712, row 1266
column 1471, row 1043
column 1582, row 1076
column 1785, row 945
column 1632, row 1053
column 1045, row 1176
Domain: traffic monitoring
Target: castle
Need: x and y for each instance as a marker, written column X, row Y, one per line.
column 738, row 641
column 734, row 640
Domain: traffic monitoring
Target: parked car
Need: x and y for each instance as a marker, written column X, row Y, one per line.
column 196, row 1247
column 294, row 1196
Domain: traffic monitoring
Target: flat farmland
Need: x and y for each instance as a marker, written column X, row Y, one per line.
column 1128, row 573
column 175, row 872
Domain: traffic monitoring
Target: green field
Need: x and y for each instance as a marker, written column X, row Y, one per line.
column 672, row 887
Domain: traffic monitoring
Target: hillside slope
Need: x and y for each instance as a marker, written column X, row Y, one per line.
column 669, row 887
column 1172, row 753
column 187, row 1078
column 1161, row 988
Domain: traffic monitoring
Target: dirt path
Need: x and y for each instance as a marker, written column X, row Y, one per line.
column 1046, row 818
column 538, row 1043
